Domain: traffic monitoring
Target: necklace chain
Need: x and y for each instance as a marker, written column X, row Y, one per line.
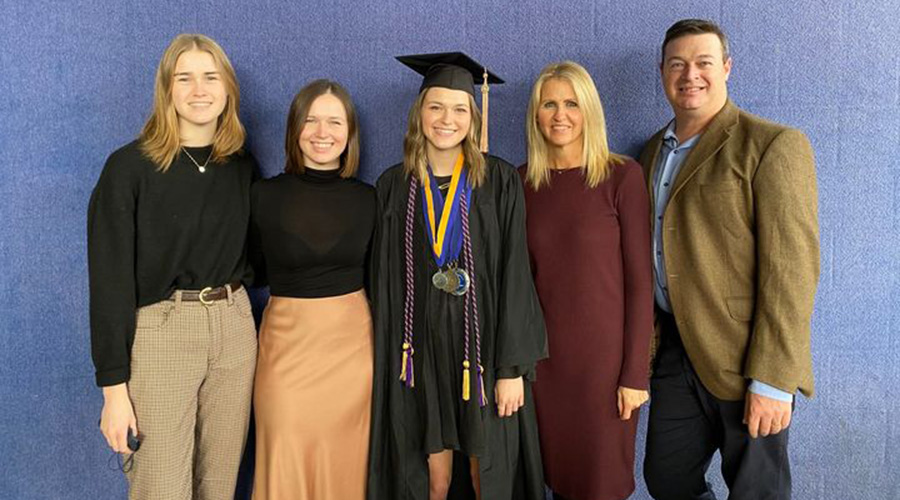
column 201, row 168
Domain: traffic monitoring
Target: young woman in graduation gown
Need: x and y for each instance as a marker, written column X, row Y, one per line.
column 172, row 334
column 310, row 233
column 458, row 325
column 589, row 241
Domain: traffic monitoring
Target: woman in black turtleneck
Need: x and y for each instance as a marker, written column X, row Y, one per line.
column 311, row 230
column 172, row 334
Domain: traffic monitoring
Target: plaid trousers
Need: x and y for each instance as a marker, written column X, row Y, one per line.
column 192, row 368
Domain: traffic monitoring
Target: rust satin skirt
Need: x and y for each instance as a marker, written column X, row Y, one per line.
column 312, row 398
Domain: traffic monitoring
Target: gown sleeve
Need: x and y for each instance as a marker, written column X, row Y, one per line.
column 111, row 267
column 633, row 206
column 380, row 481
column 521, row 334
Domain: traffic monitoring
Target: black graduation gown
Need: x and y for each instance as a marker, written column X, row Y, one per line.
column 407, row 424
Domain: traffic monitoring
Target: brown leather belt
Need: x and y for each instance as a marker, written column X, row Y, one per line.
column 209, row 294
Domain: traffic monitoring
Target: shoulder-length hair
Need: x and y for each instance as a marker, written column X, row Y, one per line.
column 596, row 156
column 296, row 120
column 415, row 159
column 159, row 139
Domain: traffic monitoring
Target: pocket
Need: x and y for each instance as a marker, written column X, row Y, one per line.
column 242, row 303
column 740, row 308
column 154, row 316
column 729, row 207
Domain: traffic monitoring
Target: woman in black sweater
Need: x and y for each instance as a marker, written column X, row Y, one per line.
column 172, row 335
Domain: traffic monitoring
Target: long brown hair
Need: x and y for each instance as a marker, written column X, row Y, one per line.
column 297, row 120
column 415, row 158
column 596, row 155
column 159, row 139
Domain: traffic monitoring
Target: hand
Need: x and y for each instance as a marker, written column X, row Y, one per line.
column 510, row 396
column 628, row 400
column 117, row 417
column 765, row 416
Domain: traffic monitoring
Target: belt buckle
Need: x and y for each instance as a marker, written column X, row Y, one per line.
column 202, row 296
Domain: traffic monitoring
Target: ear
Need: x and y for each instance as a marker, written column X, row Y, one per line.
column 727, row 65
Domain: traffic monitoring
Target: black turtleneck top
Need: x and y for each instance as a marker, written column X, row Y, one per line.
column 311, row 232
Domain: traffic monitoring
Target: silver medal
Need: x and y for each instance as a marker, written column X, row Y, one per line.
column 439, row 280
column 462, row 282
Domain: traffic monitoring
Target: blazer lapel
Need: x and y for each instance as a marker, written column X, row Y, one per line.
column 717, row 133
column 648, row 159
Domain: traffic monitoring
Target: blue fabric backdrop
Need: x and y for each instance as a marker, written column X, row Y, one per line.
column 76, row 82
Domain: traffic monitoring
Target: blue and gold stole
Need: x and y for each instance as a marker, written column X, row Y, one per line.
column 445, row 235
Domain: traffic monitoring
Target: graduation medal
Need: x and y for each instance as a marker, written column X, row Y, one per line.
column 454, row 281
column 445, row 234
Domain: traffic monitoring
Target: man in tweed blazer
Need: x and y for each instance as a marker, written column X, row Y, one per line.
column 736, row 260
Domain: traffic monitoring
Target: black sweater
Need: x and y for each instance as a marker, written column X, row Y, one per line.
column 150, row 233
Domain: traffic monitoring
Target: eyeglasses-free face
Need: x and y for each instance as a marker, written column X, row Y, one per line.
column 323, row 138
column 694, row 75
column 198, row 92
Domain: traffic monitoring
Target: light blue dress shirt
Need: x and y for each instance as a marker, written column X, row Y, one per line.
column 671, row 158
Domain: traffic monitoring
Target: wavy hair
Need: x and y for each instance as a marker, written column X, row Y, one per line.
column 596, row 155
column 159, row 139
column 415, row 158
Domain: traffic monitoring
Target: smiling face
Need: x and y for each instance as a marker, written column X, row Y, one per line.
column 559, row 115
column 198, row 93
column 324, row 135
column 694, row 75
column 446, row 118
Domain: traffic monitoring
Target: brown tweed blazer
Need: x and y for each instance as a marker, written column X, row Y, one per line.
column 741, row 244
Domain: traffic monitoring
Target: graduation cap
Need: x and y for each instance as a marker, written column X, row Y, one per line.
column 455, row 71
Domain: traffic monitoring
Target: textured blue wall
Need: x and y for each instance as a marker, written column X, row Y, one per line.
column 76, row 82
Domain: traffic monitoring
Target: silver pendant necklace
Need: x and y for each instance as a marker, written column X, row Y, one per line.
column 201, row 168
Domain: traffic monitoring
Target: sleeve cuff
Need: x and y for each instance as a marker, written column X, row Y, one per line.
column 113, row 377
column 763, row 389
column 526, row 371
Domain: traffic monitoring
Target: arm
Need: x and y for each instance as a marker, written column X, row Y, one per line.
column 787, row 248
column 521, row 335
column 633, row 207
column 111, row 233
column 111, row 269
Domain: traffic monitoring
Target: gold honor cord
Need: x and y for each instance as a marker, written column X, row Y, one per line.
column 437, row 237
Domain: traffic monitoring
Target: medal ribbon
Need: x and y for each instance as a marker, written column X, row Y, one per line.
column 445, row 235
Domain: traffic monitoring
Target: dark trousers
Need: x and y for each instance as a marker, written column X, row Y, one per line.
column 688, row 424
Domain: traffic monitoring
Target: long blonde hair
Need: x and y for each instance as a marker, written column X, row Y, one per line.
column 159, row 139
column 596, row 154
column 415, row 158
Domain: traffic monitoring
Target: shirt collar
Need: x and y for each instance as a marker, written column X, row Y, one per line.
column 671, row 140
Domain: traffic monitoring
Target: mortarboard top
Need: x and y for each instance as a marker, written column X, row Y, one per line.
column 452, row 70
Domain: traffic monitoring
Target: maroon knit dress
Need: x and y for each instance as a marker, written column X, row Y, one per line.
column 590, row 255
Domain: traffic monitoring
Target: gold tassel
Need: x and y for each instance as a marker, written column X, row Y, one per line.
column 403, row 361
column 465, row 395
column 484, row 113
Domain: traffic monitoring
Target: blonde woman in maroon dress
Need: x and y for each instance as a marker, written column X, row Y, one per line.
column 589, row 240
